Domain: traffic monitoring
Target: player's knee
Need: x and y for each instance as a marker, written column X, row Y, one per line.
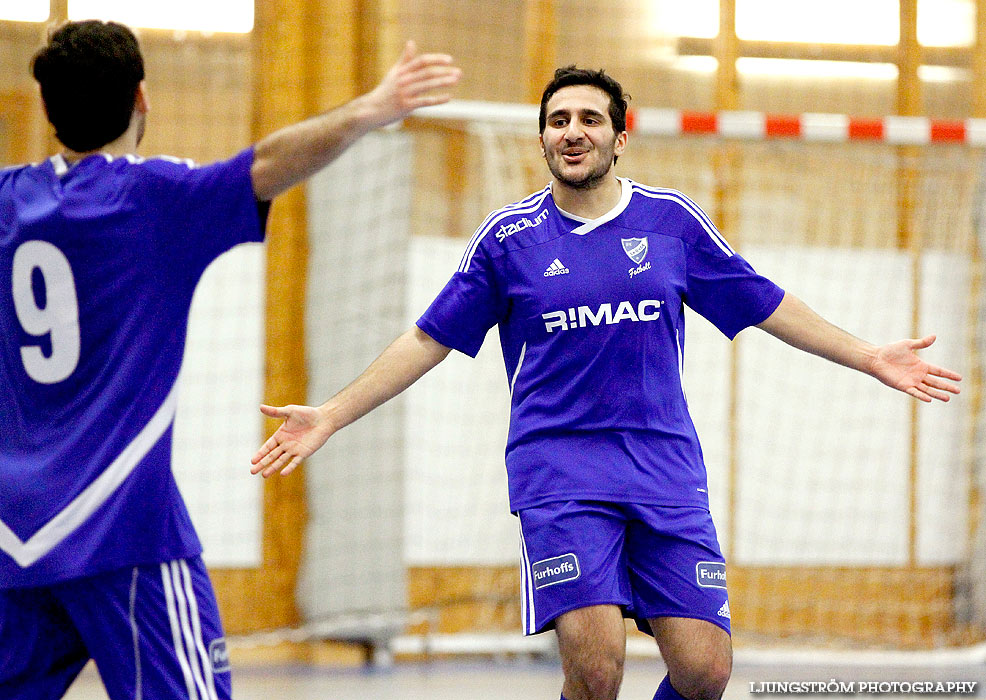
column 599, row 677
column 705, row 679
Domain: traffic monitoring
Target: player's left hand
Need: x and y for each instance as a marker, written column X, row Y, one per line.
column 897, row 365
column 303, row 431
column 416, row 80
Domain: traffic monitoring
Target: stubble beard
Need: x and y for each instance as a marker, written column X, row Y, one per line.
column 591, row 180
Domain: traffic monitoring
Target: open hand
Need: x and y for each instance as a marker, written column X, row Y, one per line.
column 304, row 430
column 898, row 366
column 414, row 81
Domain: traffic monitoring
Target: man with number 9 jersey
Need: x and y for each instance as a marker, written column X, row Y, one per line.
column 100, row 253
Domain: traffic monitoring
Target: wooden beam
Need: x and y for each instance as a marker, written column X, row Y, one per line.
column 336, row 72
column 254, row 599
column 908, row 61
column 540, row 46
column 376, row 42
column 909, row 103
column 58, row 12
column 978, row 61
column 727, row 51
column 951, row 56
column 16, row 114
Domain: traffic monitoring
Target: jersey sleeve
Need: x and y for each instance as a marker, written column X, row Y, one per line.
column 721, row 285
column 206, row 210
column 468, row 306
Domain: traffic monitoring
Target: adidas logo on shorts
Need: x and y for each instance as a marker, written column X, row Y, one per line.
column 724, row 610
column 556, row 268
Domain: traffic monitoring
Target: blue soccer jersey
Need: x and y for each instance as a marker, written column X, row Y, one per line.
column 591, row 324
column 98, row 263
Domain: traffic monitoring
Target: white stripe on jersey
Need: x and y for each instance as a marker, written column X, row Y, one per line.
column 520, row 361
column 138, row 160
column 688, row 203
column 691, row 208
column 523, row 207
column 186, row 628
column 516, row 205
column 681, row 363
column 94, row 495
column 526, row 586
column 169, row 596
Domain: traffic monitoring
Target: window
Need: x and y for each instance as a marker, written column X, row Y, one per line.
column 24, row 10
column 872, row 22
column 235, row 16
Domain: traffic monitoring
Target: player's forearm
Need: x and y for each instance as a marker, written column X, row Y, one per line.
column 797, row 325
column 296, row 152
column 404, row 361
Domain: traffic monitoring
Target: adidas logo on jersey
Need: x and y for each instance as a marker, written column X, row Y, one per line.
column 583, row 316
column 556, row 268
column 724, row 610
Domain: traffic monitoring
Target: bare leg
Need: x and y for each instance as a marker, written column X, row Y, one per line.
column 593, row 644
column 698, row 654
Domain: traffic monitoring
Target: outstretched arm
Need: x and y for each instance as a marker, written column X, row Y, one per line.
column 296, row 152
column 306, row 428
column 896, row 364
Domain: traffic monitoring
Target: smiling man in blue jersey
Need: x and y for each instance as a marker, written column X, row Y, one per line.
column 100, row 252
column 587, row 280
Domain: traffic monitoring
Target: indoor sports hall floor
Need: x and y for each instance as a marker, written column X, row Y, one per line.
column 531, row 680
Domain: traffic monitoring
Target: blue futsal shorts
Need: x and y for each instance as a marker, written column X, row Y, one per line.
column 153, row 631
column 652, row 561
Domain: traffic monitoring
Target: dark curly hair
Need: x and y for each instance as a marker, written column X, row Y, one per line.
column 89, row 73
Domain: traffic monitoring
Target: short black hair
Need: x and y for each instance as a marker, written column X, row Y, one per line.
column 89, row 72
column 570, row 75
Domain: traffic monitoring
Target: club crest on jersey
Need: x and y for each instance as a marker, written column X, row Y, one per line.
column 635, row 248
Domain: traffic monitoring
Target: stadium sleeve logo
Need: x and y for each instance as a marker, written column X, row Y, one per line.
column 520, row 225
column 548, row 572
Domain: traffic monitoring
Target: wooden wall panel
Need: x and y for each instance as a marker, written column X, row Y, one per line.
column 906, row 607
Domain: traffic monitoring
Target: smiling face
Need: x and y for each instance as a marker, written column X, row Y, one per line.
column 579, row 142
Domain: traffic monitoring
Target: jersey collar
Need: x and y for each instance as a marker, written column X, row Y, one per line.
column 591, row 224
column 62, row 166
column 59, row 164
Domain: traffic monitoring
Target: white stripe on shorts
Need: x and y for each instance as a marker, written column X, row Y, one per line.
column 186, row 628
column 526, row 586
column 169, row 596
column 193, row 610
column 138, row 679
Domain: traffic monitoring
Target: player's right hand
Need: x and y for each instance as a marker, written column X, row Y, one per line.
column 303, row 431
column 416, row 80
